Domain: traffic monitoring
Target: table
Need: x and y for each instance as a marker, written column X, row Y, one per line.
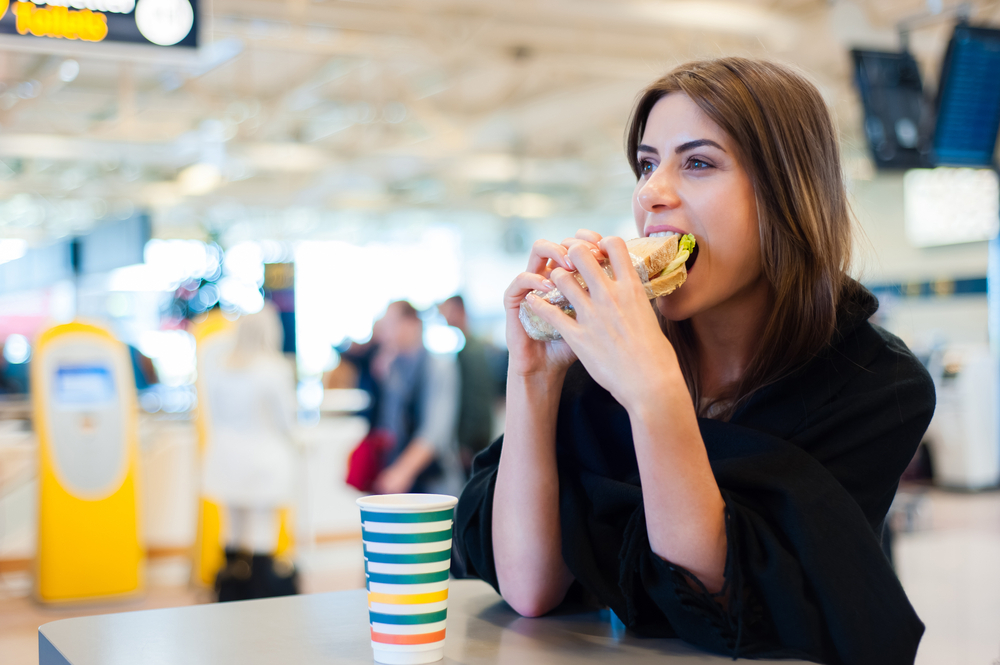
column 332, row 629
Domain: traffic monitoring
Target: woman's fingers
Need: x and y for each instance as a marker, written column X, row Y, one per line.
column 592, row 272
column 621, row 262
column 569, row 284
column 570, row 243
column 590, row 239
column 544, row 251
column 554, row 316
column 522, row 285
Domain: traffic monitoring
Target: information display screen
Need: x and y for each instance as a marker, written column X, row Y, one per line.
column 167, row 23
column 84, row 385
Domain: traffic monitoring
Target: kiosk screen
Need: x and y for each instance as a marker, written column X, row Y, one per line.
column 84, row 385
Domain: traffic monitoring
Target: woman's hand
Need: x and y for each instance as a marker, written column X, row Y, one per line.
column 530, row 357
column 615, row 333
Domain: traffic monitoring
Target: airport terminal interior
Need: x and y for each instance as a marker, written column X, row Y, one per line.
column 184, row 184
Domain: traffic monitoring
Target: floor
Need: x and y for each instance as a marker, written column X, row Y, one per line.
column 950, row 567
column 948, row 560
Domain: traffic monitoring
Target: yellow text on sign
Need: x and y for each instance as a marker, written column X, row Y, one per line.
column 60, row 22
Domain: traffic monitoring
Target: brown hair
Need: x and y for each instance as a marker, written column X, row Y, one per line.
column 405, row 309
column 787, row 143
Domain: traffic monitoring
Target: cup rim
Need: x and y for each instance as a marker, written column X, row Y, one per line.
column 406, row 503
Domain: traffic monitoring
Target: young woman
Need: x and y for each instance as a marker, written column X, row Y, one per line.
column 717, row 467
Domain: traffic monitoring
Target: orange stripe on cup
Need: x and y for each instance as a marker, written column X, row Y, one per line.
column 407, row 599
column 426, row 638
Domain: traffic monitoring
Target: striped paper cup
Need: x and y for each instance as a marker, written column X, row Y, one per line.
column 407, row 541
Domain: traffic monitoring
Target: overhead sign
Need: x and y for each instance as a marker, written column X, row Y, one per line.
column 164, row 23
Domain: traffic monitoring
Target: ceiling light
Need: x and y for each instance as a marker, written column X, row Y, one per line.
column 164, row 22
column 715, row 17
column 526, row 204
column 12, row 249
column 16, row 349
column 69, row 70
column 199, row 179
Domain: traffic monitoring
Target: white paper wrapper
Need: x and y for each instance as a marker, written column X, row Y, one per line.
column 538, row 329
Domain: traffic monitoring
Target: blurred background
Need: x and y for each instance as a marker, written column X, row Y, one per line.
column 170, row 168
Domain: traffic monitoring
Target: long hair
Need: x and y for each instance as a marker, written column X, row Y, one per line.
column 786, row 141
column 257, row 336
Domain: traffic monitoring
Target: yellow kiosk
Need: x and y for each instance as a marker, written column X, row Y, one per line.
column 84, row 401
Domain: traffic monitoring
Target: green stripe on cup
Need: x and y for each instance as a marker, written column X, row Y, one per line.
column 408, row 619
column 419, row 578
column 407, row 518
column 425, row 557
column 405, row 538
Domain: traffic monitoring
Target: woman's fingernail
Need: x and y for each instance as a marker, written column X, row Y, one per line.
column 531, row 297
column 548, row 284
column 569, row 263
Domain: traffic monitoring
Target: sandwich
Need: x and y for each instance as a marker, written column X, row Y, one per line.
column 660, row 261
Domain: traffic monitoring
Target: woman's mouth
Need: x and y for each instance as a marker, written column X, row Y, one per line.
column 673, row 231
column 693, row 257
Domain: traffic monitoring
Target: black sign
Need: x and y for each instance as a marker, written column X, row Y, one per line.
column 168, row 23
column 896, row 117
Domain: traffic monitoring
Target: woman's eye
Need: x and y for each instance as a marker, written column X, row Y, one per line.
column 698, row 164
column 646, row 167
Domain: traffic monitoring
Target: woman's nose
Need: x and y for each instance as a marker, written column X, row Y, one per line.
column 658, row 192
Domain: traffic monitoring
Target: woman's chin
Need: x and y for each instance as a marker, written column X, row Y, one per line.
column 675, row 307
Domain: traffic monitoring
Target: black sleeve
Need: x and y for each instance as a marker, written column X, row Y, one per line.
column 805, row 569
column 805, row 576
column 472, row 548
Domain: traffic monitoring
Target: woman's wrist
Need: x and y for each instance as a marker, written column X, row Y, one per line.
column 532, row 407
column 543, row 381
column 655, row 392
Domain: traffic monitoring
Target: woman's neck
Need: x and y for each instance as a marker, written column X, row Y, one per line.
column 727, row 336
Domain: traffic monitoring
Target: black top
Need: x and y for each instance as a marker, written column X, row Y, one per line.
column 807, row 468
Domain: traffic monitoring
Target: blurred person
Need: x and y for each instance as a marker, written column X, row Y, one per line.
column 355, row 371
column 717, row 467
column 249, row 466
column 477, row 395
column 418, row 408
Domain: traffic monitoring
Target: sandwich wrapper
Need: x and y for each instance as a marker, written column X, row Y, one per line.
column 538, row 329
column 673, row 251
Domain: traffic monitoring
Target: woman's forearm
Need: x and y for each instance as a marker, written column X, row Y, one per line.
column 527, row 540
column 685, row 512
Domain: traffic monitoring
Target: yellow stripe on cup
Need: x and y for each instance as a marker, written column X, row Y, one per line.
column 407, row 599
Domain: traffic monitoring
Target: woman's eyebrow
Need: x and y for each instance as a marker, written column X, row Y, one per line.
column 647, row 148
column 697, row 143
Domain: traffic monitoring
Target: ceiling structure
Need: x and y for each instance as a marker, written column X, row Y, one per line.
column 300, row 114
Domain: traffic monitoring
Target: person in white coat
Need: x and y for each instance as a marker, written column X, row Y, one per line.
column 249, row 465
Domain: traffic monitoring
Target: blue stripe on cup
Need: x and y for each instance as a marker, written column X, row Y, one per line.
column 433, row 537
column 407, row 518
column 408, row 619
column 420, row 578
column 425, row 557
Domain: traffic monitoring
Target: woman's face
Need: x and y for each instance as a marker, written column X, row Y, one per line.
column 692, row 182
